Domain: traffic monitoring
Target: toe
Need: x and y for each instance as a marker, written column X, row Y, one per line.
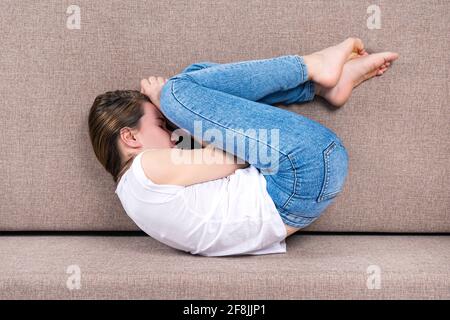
column 379, row 72
column 390, row 56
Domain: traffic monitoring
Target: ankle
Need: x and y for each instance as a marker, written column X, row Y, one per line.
column 317, row 89
column 311, row 65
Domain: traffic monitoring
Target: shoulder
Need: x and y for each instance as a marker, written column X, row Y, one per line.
column 157, row 164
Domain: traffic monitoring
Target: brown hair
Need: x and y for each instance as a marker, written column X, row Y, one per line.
column 110, row 112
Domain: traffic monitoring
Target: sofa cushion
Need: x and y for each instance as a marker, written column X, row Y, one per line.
column 314, row 267
column 395, row 127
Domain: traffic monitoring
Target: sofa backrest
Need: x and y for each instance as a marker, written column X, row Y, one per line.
column 395, row 127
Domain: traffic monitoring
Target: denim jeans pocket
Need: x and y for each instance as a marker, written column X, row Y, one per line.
column 335, row 159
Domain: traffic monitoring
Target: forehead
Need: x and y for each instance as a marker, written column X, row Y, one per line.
column 151, row 111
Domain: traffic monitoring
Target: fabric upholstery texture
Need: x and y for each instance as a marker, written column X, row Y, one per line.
column 138, row 267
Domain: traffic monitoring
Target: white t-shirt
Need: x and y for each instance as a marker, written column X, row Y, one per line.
column 227, row 216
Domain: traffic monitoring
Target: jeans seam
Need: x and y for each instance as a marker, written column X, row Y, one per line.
column 293, row 164
column 300, row 223
column 218, row 124
column 327, row 173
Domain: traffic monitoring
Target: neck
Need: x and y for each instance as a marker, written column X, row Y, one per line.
column 125, row 166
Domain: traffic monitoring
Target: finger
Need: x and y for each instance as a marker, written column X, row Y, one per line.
column 359, row 44
column 145, row 84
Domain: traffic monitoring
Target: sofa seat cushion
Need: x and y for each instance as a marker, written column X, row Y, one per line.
column 316, row 266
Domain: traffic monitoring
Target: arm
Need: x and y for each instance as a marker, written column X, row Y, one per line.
column 188, row 166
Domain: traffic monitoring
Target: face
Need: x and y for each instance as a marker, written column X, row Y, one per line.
column 153, row 132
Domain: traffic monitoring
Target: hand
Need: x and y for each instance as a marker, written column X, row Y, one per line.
column 151, row 87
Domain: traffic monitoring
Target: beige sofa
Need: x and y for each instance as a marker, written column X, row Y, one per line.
column 64, row 233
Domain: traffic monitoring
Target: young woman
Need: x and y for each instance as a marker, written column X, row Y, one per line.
column 225, row 198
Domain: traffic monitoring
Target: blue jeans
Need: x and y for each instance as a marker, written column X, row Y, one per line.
column 234, row 98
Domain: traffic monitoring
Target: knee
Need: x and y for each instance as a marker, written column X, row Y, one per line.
column 166, row 92
column 192, row 67
column 169, row 105
column 174, row 91
column 335, row 171
column 198, row 66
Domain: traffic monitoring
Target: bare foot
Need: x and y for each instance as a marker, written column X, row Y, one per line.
column 356, row 71
column 325, row 66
